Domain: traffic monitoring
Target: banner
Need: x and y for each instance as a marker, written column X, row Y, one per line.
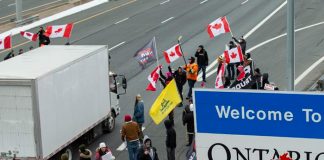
column 146, row 54
column 165, row 102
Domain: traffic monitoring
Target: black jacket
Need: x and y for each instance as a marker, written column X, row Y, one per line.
column 202, row 58
column 171, row 140
column 180, row 78
column 142, row 156
column 242, row 44
column 188, row 119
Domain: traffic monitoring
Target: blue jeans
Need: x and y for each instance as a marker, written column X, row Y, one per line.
column 132, row 148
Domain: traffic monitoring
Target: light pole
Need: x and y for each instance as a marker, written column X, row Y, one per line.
column 18, row 10
column 291, row 45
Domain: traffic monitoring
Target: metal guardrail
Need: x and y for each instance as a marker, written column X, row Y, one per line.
column 27, row 20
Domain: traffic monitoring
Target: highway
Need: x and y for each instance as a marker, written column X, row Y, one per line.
column 129, row 24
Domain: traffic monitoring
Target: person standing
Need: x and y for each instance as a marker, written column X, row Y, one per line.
column 171, row 140
column 230, row 66
column 192, row 74
column 188, row 119
column 202, row 60
column 103, row 150
column 165, row 80
column 43, row 39
column 130, row 133
column 85, row 154
column 138, row 116
column 180, row 79
column 242, row 43
column 147, row 151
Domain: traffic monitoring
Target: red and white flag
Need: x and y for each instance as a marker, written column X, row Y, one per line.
column 29, row 35
column 233, row 55
column 219, row 78
column 172, row 54
column 153, row 78
column 218, row 27
column 59, row 31
column 5, row 42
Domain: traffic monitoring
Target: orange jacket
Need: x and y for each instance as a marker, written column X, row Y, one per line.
column 192, row 71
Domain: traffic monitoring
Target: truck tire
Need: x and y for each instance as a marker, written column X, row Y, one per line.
column 69, row 152
column 110, row 123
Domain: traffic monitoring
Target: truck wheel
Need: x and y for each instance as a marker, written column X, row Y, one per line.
column 69, row 153
column 111, row 123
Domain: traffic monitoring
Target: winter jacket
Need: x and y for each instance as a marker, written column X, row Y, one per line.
column 99, row 153
column 188, row 119
column 130, row 131
column 139, row 112
column 151, row 156
column 242, row 44
column 165, row 80
column 202, row 58
column 171, row 140
column 86, row 155
column 180, row 78
column 192, row 71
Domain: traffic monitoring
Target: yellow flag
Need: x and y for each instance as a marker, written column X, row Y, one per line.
column 165, row 102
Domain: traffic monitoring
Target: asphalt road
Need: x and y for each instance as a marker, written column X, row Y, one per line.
column 135, row 22
column 8, row 7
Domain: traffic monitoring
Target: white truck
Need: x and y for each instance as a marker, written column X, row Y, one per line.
column 54, row 95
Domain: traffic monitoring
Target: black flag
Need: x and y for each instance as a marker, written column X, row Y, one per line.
column 146, row 54
column 245, row 79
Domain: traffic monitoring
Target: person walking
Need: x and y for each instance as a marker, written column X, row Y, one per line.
column 192, row 74
column 188, row 119
column 85, row 154
column 202, row 60
column 130, row 133
column 104, row 152
column 171, row 141
column 147, row 151
column 138, row 116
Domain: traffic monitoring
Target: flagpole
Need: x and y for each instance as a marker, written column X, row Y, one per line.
column 179, row 38
column 157, row 58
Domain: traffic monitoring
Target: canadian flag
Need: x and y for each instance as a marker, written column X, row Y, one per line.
column 5, row 42
column 233, row 55
column 172, row 54
column 59, row 31
column 218, row 27
column 153, row 78
column 29, row 35
column 219, row 78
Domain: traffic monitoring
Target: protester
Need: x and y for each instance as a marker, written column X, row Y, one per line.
column 130, row 133
column 230, row 66
column 9, row 55
column 202, row 60
column 43, row 39
column 180, row 79
column 165, row 80
column 147, row 151
column 85, row 154
column 188, row 119
column 247, row 59
column 21, row 51
column 257, row 77
column 138, row 116
column 242, row 43
column 104, row 151
column 171, row 141
column 192, row 74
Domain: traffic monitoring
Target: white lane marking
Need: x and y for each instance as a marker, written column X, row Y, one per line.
column 119, row 44
column 12, row 4
column 304, row 74
column 270, row 40
column 125, row 19
column 214, row 63
column 164, row 2
column 123, row 145
column 244, row 2
column 167, row 20
column 202, row 2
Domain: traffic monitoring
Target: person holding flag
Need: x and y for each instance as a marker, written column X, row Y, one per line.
column 192, row 74
column 43, row 39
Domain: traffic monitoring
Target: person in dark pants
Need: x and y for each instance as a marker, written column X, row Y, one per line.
column 180, row 78
column 147, row 151
column 139, row 114
column 171, row 140
column 242, row 43
column 192, row 74
column 202, row 60
column 165, row 80
column 188, row 119
column 43, row 39
column 230, row 66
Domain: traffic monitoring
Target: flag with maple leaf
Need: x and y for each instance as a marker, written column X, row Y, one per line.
column 219, row 78
column 233, row 55
column 59, row 31
column 153, row 78
column 285, row 157
column 218, row 27
column 172, row 54
column 5, row 41
column 29, row 35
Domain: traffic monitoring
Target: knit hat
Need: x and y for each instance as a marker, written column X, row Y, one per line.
column 102, row 145
column 127, row 118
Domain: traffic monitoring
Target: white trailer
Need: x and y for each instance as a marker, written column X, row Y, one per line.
column 53, row 95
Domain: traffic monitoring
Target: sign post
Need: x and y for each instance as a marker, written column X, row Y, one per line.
column 254, row 125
